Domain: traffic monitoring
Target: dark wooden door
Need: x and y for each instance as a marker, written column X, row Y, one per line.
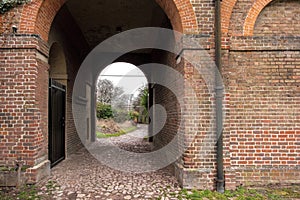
column 57, row 106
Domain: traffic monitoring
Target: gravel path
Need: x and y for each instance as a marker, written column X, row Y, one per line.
column 81, row 176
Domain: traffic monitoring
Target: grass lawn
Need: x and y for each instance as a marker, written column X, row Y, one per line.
column 242, row 193
column 122, row 132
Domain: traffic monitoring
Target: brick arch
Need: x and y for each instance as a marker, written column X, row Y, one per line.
column 252, row 15
column 28, row 16
column 1, row 24
column 38, row 15
column 226, row 12
column 181, row 15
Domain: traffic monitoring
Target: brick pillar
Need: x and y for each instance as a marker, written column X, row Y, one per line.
column 197, row 167
column 24, row 108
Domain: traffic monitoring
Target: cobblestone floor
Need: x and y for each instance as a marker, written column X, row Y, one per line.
column 81, row 176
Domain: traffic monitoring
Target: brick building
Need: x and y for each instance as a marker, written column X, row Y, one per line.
column 260, row 56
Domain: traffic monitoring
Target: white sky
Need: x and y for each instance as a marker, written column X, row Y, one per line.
column 124, row 75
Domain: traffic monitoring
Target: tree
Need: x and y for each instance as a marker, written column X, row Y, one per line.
column 140, row 104
column 109, row 94
column 119, row 99
column 112, row 102
column 105, row 90
column 142, row 99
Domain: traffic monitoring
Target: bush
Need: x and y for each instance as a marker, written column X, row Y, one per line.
column 104, row 111
column 134, row 115
column 120, row 115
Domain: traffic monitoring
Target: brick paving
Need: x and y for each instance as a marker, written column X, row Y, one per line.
column 81, row 176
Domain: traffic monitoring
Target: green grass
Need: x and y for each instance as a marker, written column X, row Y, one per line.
column 51, row 185
column 26, row 192
column 241, row 193
column 122, row 132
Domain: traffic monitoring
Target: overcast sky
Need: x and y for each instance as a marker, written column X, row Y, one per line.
column 124, row 75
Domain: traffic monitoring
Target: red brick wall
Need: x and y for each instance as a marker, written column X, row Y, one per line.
column 204, row 10
column 37, row 16
column 199, row 158
column 226, row 12
column 261, row 75
column 263, row 110
column 181, row 15
column 196, row 167
column 23, row 108
column 166, row 98
column 238, row 16
column 252, row 15
column 66, row 32
column 8, row 19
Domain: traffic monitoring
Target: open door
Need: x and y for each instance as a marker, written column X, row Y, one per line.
column 57, row 107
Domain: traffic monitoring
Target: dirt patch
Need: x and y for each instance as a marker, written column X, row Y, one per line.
column 109, row 126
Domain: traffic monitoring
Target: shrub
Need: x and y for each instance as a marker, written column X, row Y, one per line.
column 104, row 111
column 134, row 115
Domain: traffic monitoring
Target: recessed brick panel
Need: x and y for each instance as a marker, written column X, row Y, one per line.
column 279, row 18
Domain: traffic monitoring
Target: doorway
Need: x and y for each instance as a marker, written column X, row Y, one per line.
column 57, row 93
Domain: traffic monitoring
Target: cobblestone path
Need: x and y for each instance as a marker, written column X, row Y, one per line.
column 81, row 176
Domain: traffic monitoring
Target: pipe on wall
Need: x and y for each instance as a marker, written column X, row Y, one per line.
column 219, row 89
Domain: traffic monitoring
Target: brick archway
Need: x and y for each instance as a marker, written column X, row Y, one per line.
column 37, row 16
column 1, row 24
column 252, row 15
column 226, row 12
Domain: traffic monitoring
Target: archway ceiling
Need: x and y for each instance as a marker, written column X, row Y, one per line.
column 100, row 19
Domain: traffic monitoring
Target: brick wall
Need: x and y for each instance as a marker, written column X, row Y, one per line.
column 181, row 15
column 205, row 14
column 24, row 108
column 170, row 101
column 165, row 97
column 196, row 167
column 65, row 32
column 261, row 75
column 9, row 19
column 238, row 16
column 279, row 18
column 264, row 115
column 24, row 130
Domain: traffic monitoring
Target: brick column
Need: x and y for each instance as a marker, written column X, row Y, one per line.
column 24, row 108
column 197, row 167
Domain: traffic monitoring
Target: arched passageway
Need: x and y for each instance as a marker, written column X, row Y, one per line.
column 79, row 27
